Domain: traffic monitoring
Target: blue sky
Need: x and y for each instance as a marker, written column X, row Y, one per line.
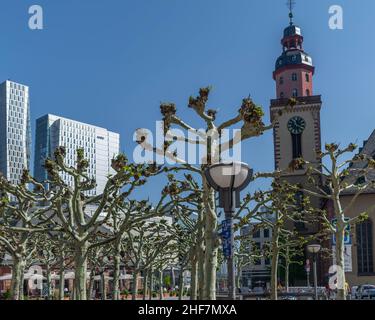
column 111, row 62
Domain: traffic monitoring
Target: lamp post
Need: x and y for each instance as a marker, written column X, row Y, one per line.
column 314, row 249
column 307, row 268
column 229, row 179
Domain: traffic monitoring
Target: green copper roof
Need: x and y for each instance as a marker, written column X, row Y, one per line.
column 292, row 31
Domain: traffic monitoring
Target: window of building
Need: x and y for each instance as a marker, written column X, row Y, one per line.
column 299, row 197
column 361, row 180
column 266, row 233
column 307, row 77
column 307, row 92
column 294, row 76
column 257, row 249
column 281, row 80
column 365, row 255
column 281, row 95
column 256, row 233
column 295, row 93
column 297, row 145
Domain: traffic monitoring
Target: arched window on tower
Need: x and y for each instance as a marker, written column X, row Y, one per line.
column 295, row 93
column 307, row 92
column 294, row 76
column 281, row 95
column 307, row 77
column 297, row 145
column 365, row 255
column 281, row 80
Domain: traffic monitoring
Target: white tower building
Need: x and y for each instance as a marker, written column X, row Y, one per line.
column 99, row 144
column 15, row 132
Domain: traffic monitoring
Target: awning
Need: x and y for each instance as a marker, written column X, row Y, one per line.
column 6, row 277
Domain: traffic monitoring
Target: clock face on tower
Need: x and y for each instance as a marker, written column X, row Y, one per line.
column 296, row 125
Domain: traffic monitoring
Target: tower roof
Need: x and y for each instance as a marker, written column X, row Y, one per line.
column 292, row 30
column 295, row 57
column 293, row 54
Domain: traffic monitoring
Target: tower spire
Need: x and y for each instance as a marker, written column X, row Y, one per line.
column 291, row 4
column 294, row 69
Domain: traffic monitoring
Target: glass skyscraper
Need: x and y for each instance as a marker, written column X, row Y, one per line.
column 100, row 147
column 15, row 131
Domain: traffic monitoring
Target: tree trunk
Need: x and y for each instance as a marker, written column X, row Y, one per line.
column 18, row 270
column 103, row 286
column 201, row 269
column 274, row 264
column 135, row 285
column 161, row 289
column 340, row 261
column 80, row 263
column 116, row 276
column 173, row 279
column 62, row 284
column 22, row 283
column 91, row 285
column 210, row 243
column 238, row 278
column 181, row 284
column 287, row 276
column 151, row 283
column 194, row 281
column 49, row 282
column 340, row 237
column 145, row 284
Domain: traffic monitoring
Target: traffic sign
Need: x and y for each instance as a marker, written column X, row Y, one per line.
column 347, row 237
column 226, row 236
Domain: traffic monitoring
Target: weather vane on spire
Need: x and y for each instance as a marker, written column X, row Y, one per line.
column 291, row 4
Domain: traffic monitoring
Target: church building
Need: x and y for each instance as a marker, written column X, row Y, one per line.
column 297, row 134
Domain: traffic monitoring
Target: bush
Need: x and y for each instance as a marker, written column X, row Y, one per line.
column 7, row 295
column 125, row 293
column 171, row 293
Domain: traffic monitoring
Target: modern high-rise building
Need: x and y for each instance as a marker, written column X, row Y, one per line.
column 15, row 131
column 99, row 144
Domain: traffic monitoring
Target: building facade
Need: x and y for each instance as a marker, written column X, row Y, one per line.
column 257, row 274
column 15, row 130
column 359, row 248
column 100, row 147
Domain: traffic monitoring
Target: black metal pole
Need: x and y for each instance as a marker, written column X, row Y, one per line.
column 229, row 212
column 230, row 261
column 308, row 279
column 315, row 277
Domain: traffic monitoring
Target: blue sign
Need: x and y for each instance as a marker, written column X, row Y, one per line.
column 226, row 235
column 347, row 237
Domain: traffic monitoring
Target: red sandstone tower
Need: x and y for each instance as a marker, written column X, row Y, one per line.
column 294, row 69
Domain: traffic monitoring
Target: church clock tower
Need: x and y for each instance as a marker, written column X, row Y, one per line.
column 297, row 132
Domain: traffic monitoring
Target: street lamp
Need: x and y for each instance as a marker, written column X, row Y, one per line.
column 229, row 179
column 314, row 249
